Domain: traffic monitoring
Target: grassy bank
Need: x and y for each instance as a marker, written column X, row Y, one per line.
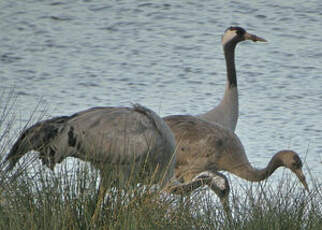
column 66, row 199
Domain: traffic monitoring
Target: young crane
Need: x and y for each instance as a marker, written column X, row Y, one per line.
column 205, row 146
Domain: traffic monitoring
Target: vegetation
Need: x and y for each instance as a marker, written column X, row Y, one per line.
column 33, row 197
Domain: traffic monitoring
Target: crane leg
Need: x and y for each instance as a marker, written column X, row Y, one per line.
column 101, row 194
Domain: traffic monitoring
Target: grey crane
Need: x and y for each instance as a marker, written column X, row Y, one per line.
column 226, row 113
column 100, row 135
column 111, row 138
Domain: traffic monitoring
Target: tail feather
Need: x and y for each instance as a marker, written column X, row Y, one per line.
column 161, row 127
column 34, row 138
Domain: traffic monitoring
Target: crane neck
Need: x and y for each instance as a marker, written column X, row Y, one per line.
column 229, row 51
column 226, row 113
column 250, row 173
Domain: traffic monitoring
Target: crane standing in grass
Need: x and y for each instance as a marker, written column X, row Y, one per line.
column 205, row 146
column 118, row 141
column 103, row 136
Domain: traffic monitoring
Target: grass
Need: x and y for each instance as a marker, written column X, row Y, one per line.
column 66, row 199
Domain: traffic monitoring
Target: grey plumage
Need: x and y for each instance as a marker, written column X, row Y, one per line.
column 205, row 146
column 101, row 135
column 226, row 112
column 225, row 115
column 121, row 142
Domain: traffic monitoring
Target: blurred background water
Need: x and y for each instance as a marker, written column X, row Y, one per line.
column 167, row 55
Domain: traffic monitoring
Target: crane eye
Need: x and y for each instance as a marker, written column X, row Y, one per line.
column 240, row 32
column 297, row 162
column 297, row 165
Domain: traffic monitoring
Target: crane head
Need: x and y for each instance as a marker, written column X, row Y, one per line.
column 235, row 34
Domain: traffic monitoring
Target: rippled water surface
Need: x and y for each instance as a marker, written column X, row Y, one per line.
column 167, row 55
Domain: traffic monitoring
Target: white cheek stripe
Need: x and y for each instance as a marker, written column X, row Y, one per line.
column 229, row 35
column 219, row 181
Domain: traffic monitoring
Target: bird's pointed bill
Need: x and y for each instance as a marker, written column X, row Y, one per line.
column 254, row 38
column 300, row 175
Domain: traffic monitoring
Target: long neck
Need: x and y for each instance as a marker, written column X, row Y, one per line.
column 226, row 113
column 229, row 50
column 252, row 174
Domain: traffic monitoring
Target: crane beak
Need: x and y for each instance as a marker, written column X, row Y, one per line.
column 254, row 38
column 300, row 175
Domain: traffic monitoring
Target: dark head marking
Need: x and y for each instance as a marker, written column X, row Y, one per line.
column 297, row 162
column 240, row 31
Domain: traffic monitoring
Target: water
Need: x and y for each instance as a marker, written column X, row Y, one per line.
column 167, row 55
